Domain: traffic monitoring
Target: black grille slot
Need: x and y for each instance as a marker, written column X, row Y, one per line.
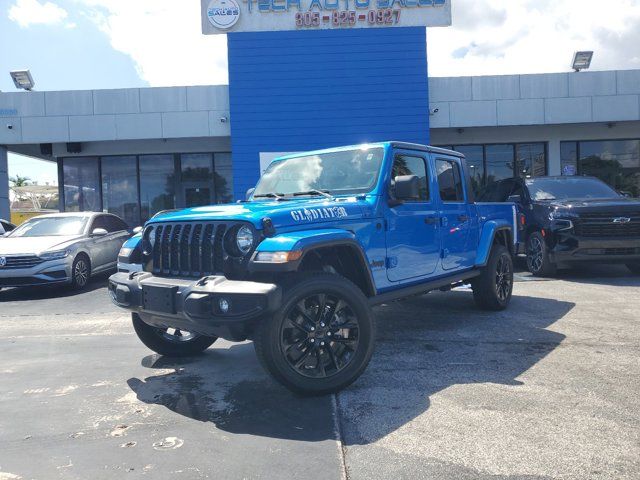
column 625, row 224
column 22, row 261
column 193, row 249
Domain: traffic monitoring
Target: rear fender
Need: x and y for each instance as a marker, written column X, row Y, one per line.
column 490, row 230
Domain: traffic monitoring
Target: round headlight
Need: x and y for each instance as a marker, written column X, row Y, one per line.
column 148, row 240
column 244, row 239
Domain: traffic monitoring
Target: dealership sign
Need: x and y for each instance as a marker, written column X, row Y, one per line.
column 223, row 16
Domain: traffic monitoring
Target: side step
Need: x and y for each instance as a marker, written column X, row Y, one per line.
column 422, row 288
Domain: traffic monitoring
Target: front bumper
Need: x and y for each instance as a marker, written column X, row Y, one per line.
column 196, row 305
column 51, row 272
column 596, row 249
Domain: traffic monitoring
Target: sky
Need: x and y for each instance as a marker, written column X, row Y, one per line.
column 90, row 44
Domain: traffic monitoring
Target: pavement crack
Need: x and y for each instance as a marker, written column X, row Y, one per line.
column 337, row 425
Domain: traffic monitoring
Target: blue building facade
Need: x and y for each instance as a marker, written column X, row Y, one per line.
column 300, row 90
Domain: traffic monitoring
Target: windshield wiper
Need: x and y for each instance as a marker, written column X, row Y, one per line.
column 313, row 191
column 278, row 196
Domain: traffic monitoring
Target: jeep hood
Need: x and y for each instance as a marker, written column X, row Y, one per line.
column 283, row 214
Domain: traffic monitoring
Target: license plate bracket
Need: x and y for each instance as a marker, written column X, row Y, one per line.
column 159, row 298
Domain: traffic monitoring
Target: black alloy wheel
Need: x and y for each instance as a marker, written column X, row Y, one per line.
column 504, row 278
column 535, row 254
column 538, row 261
column 170, row 342
column 493, row 288
column 320, row 335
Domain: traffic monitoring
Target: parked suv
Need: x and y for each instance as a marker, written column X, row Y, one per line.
column 324, row 236
column 569, row 219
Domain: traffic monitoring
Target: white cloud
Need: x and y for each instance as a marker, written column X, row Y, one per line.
column 164, row 39
column 534, row 36
column 488, row 37
column 31, row 12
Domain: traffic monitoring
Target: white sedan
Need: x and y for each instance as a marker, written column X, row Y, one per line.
column 61, row 248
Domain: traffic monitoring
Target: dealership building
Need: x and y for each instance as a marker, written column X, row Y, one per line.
column 136, row 151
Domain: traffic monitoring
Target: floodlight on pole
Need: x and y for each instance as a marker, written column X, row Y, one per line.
column 23, row 79
column 582, row 60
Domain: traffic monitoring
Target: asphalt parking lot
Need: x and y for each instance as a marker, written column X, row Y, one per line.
column 548, row 389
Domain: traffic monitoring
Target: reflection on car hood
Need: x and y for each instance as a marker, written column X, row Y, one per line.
column 296, row 211
column 34, row 245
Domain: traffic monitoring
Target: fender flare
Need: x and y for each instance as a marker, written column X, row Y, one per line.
column 489, row 232
column 307, row 241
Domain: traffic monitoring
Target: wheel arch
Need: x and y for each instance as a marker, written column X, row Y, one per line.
column 494, row 233
column 320, row 250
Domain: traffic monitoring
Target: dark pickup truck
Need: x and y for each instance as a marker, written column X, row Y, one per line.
column 564, row 220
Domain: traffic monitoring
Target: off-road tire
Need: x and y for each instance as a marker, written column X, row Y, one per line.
column 634, row 267
column 355, row 310
column 80, row 272
column 538, row 261
column 488, row 291
column 155, row 339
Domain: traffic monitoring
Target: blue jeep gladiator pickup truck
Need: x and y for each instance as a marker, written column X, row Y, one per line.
column 323, row 237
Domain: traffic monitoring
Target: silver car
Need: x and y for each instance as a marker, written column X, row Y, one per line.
column 61, row 248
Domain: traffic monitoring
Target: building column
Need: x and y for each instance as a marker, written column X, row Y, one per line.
column 554, row 163
column 4, row 185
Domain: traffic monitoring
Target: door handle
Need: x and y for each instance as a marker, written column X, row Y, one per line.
column 430, row 220
column 463, row 218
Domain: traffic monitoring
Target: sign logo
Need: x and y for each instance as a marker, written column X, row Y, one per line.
column 621, row 220
column 223, row 13
column 3, row 261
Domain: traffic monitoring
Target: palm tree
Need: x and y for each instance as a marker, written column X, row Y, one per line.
column 19, row 181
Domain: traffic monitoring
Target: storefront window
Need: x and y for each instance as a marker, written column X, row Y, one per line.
column 500, row 162
column 616, row 162
column 223, row 178
column 474, row 155
column 81, row 184
column 196, row 167
column 157, row 184
column 120, row 188
column 530, row 160
column 569, row 158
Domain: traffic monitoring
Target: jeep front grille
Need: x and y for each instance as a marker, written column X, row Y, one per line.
column 186, row 249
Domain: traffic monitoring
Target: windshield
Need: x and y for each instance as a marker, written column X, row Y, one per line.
column 51, row 226
column 345, row 172
column 542, row 189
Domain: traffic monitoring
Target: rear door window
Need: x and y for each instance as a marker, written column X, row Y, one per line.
column 449, row 180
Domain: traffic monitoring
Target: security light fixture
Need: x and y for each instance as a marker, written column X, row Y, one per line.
column 23, row 79
column 582, row 60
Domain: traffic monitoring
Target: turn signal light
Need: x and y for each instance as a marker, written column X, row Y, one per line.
column 278, row 257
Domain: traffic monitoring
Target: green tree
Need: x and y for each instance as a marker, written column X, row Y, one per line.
column 18, row 181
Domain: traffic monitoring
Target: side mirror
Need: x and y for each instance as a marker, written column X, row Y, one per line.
column 515, row 199
column 137, row 230
column 249, row 193
column 407, row 187
column 99, row 232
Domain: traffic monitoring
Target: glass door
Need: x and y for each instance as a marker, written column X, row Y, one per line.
column 196, row 179
column 197, row 196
